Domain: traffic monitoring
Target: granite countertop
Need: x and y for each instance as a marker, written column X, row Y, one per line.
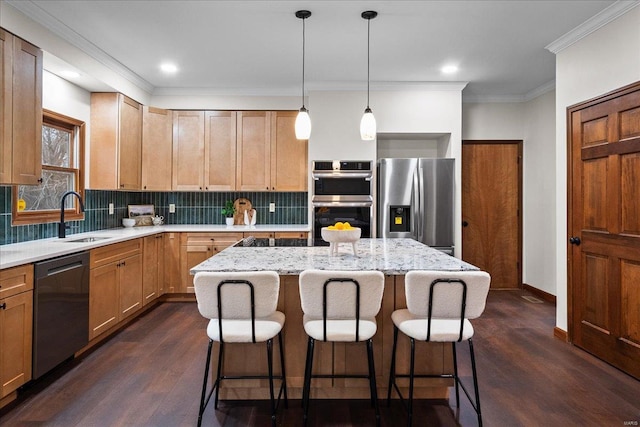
column 37, row 250
column 391, row 256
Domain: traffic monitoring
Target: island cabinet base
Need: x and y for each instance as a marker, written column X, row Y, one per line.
column 335, row 358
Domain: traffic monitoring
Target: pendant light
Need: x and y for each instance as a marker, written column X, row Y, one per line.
column 303, row 121
column 368, row 122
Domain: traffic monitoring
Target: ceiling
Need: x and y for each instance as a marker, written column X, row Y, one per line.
column 255, row 47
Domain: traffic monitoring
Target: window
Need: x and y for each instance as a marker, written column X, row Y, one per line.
column 62, row 160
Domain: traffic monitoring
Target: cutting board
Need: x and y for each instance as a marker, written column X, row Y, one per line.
column 241, row 205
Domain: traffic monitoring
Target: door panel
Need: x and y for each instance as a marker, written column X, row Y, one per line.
column 491, row 203
column 604, row 189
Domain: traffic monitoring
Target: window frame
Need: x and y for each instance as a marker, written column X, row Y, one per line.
column 77, row 127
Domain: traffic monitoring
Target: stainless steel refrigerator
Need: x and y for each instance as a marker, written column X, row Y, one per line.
column 416, row 199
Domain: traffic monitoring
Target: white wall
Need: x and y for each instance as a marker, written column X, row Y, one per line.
column 603, row 61
column 492, row 120
column 538, row 204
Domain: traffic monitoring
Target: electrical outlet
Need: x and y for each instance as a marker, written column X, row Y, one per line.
column 272, row 207
column 172, row 208
column 111, row 210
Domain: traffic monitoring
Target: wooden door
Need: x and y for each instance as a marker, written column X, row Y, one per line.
column 6, row 54
column 27, row 113
column 491, row 206
column 130, row 281
column 288, row 154
column 16, row 328
column 171, row 261
column 220, row 151
column 130, row 144
column 604, row 214
column 254, row 156
column 188, row 151
column 157, row 149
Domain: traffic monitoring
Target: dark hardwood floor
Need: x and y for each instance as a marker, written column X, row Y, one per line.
column 150, row 374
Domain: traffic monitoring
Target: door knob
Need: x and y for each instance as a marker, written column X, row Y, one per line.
column 465, row 223
column 574, row 240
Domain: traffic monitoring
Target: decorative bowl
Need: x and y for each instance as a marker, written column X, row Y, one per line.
column 334, row 237
column 128, row 222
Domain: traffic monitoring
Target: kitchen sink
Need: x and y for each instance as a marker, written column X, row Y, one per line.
column 86, row 239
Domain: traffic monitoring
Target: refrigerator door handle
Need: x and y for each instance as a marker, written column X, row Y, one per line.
column 421, row 207
column 415, row 204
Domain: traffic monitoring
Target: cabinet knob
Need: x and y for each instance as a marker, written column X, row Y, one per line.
column 40, row 180
column 3, row 305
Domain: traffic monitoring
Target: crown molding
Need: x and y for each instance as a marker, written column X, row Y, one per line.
column 592, row 24
column 36, row 13
column 509, row 99
column 540, row 90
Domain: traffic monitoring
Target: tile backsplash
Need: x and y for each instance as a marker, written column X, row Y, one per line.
column 191, row 208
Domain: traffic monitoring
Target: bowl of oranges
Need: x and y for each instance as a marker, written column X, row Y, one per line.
column 340, row 232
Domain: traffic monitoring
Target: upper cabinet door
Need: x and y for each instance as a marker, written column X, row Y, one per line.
column 116, row 142
column 157, row 149
column 220, row 150
column 188, row 150
column 130, row 153
column 20, row 111
column 288, row 154
column 6, row 54
column 254, row 151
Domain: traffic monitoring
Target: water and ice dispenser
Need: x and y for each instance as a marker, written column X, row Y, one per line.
column 400, row 218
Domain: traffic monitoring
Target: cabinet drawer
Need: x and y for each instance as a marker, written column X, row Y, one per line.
column 292, row 235
column 210, row 238
column 15, row 280
column 115, row 252
column 262, row 235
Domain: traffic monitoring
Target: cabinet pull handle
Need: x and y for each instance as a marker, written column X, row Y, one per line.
column 3, row 305
column 124, row 263
column 40, row 180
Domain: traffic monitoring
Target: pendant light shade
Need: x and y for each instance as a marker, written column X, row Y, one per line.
column 303, row 121
column 368, row 122
column 303, row 124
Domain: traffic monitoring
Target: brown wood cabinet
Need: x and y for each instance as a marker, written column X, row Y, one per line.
column 288, row 154
column 171, row 271
column 270, row 158
column 197, row 247
column 20, row 111
column 16, row 327
column 220, row 150
column 115, row 285
column 116, row 142
column 152, row 267
column 157, row 149
column 188, row 151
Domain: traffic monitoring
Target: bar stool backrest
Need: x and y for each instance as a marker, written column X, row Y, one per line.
column 447, row 293
column 341, row 293
column 235, row 294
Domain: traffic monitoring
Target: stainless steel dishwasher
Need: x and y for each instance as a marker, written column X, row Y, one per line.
column 60, row 310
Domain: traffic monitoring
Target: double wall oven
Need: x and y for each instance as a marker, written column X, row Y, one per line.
column 342, row 191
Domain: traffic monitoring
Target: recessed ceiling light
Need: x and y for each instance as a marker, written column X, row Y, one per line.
column 168, row 68
column 69, row 74
column 450, row 69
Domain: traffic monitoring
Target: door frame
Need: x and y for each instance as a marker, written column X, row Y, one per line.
column 519, row 144
column 570, row 225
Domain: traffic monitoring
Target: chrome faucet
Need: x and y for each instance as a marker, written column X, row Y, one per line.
column 62, row 228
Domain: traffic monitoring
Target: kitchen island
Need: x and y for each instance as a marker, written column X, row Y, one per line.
column 393, row 257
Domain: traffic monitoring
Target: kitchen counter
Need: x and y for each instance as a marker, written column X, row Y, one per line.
column 37, row 250
column 391, row 256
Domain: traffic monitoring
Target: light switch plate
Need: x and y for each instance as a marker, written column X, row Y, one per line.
column 272, row 207
column 111, row 209
column 172, row 208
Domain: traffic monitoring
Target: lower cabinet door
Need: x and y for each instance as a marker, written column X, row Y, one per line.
column 130, row 276
column 103, row 299
column 16, row 329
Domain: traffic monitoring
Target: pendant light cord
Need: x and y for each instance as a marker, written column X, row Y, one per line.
column 303, row 43
column 368, row 56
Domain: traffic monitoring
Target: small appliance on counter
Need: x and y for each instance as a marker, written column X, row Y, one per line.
column 416, row 200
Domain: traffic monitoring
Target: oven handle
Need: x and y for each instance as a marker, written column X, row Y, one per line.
column 345, row 204
column 366, row 175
